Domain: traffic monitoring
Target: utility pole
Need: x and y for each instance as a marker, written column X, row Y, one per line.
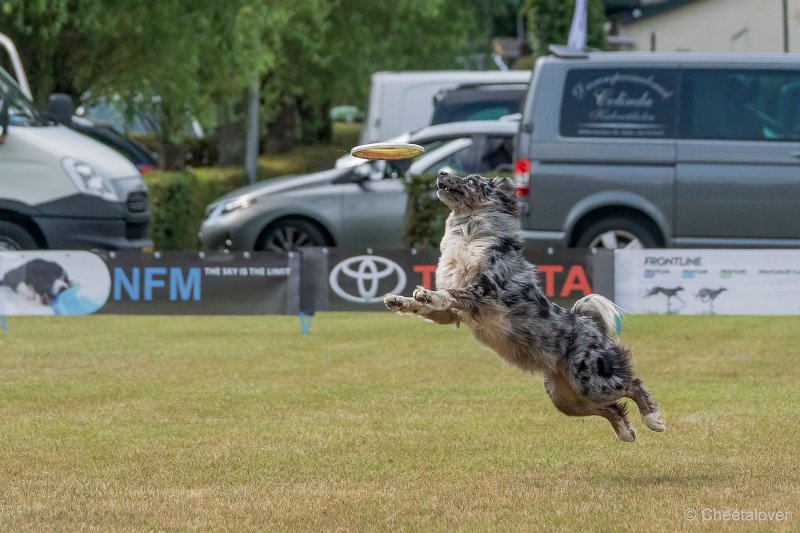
column 785, row 26
column 251, row 142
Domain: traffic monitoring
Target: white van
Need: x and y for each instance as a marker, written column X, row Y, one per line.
column 400, row 102
column 60, row 189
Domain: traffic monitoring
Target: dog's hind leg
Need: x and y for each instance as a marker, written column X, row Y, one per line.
column 571, row 403
column 648, row 408
column 618, row 416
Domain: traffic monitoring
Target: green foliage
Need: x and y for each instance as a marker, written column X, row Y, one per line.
column 549, row 22
column 198, row 59
column 172, row 207
column 178, row 201
column 423, row 226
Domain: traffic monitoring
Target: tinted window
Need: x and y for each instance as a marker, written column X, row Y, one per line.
column 20, row 109
column 474, row 104
column 496, row 155
column 619, row 103
column 459, row 162
column 746, row 105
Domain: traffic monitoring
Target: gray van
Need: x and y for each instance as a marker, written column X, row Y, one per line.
column 661, row 149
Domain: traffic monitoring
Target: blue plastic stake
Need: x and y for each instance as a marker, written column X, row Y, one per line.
column 305, row 323
column 3, row 323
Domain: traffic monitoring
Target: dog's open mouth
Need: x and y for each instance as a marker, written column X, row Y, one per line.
column 444, row 188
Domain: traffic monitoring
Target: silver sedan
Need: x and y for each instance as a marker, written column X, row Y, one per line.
column 359, row 204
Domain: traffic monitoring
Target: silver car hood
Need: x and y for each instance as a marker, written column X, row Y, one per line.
column 283, row 183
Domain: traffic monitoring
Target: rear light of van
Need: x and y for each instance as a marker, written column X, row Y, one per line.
column 522, row 176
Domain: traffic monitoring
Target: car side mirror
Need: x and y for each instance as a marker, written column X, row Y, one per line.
column 373, row 171
column 61, row 108
column 3, row 119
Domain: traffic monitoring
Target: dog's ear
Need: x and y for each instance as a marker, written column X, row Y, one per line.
column 505, row 185
column 507, row 197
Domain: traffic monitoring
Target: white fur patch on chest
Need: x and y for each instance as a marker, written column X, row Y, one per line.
column 462, row 259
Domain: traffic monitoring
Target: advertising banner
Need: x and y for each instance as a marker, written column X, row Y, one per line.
column 168, row 283
column 695, row 282
column 199, row 284
column 358, row 281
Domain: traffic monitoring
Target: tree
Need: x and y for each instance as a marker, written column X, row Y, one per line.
column 340, row 52
column 549, row 22
column 198, row 58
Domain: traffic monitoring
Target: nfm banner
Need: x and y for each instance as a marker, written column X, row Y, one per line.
column 81, row 283
column 693, row 282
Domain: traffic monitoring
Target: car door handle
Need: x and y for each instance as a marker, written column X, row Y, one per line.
column 795, row 154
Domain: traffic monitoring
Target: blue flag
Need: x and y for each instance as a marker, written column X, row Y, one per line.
column 577, row 31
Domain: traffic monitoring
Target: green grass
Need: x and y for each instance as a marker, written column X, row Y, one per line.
column 375, row 422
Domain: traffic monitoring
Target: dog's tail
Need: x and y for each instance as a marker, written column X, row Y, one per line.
column 606, row 314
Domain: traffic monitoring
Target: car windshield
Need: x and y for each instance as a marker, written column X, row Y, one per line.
column 20, row 110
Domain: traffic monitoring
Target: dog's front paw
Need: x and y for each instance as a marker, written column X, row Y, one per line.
column 393, row 302
column 423, row 295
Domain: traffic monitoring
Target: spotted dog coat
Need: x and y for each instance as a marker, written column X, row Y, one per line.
column 484, row 282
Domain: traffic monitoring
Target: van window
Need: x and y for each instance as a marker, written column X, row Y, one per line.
column 743, row 105
column 636, row 102
column 20, row 110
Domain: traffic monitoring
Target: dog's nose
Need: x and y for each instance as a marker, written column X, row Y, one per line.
column 443, row 173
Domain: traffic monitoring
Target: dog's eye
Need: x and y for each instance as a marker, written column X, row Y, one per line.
column 471, row 182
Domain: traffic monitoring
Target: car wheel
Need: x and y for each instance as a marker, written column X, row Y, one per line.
column 290, row 234
column 618, row 232
column 14, row 237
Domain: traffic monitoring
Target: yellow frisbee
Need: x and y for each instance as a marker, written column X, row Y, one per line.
column 390, row 151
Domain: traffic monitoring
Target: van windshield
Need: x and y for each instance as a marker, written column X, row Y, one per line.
column 20, row 110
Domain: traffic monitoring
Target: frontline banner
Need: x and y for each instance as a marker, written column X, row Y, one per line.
column 696, row 282
column 358, row 281
column 166, row 283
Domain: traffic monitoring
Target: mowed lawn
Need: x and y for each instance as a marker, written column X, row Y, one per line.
column 376, row 422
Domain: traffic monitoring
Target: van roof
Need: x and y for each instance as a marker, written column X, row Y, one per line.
column 717, row 58
column 455, row 75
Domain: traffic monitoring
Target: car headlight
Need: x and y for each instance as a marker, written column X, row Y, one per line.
column 88, row 180
column 238, row 203
column 229, row 206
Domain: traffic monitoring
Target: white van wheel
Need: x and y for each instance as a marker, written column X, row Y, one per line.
column 13, row 237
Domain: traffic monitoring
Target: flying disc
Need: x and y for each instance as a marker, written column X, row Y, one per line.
column 72, row 302
column 391, row 151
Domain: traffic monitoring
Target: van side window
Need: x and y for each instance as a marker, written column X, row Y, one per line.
column 740, row 105
column 632, row 102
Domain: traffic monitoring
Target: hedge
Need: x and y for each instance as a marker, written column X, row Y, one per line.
column 425, row 213
column 178, row 201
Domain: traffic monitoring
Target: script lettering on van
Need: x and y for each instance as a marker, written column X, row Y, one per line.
column 618, row 103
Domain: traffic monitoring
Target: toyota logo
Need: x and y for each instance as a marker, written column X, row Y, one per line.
column 367, row 271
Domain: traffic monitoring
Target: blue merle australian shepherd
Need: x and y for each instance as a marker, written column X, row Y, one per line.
column 484, row 282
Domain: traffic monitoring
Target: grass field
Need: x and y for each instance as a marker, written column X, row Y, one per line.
column 375, row 422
